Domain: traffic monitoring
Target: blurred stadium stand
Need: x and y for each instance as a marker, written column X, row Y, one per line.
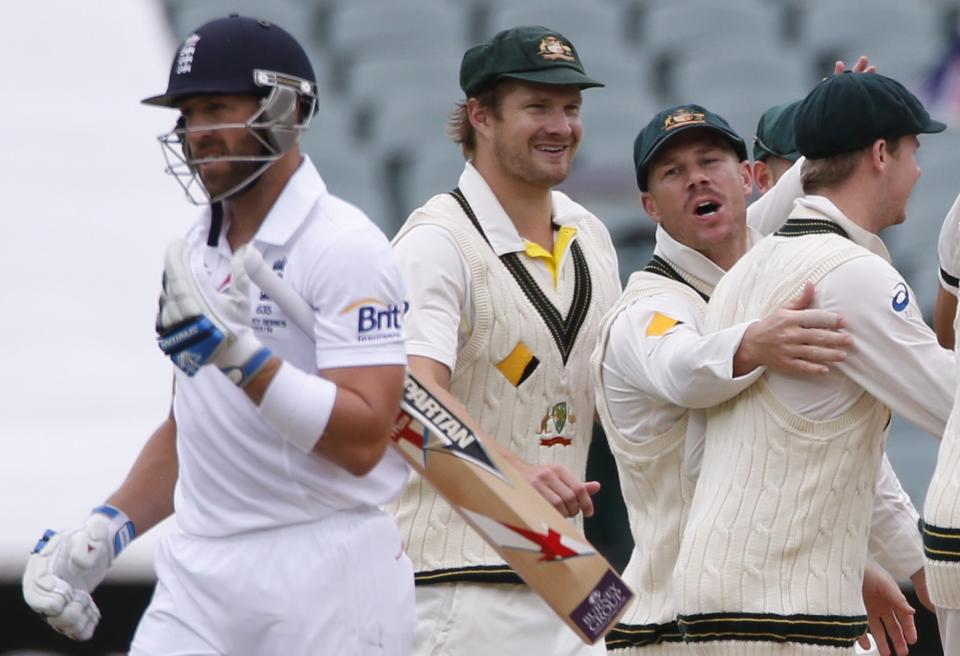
column 388, row 75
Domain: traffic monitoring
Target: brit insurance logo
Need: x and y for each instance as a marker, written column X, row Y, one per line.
column 377, row 320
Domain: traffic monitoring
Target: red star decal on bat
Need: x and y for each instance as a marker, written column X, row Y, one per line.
column 404, row 432
column 550, row 545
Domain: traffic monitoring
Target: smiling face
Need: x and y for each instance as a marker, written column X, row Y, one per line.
column 534, row 134
column 697, row 190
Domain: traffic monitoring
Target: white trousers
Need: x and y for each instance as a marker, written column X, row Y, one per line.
column 342, row 585
column 473, row 619
column 948, row 619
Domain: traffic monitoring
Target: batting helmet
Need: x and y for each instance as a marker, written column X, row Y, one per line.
column 239, row 55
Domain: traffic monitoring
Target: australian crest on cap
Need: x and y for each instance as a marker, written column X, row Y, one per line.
column 551, row 48
column 682, row 116
column 185, row 57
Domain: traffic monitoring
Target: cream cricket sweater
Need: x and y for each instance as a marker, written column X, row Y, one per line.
column 657, row 496
column 941, row 514
column 771, row 560
column 523, row 373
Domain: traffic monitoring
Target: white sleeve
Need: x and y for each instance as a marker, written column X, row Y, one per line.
column 438, row 280
column 360, row 301
column 770, row 211
column 895, row 540
column 895, row 355
column 948, row 249
column 657, row 347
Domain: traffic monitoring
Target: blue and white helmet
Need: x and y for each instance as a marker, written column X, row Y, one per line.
column 239, row 55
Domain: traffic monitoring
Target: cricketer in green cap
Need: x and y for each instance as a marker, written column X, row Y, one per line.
column 529, row 53
column 673, row 121
column 695, row 177
column 850, row 111
column 774, row 150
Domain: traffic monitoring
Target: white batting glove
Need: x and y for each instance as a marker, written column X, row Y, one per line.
column 66, row 567
column 198, row 325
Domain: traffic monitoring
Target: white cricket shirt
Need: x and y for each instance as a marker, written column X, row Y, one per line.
column 895, row 355
column 236, row 473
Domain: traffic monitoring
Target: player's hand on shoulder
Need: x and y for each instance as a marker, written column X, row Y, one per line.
column 198, row 324
column 794, row 340
column 66, row 567
column 565, row 492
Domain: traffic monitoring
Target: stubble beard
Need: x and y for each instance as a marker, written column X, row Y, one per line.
column 520, row 165
column 235, row 174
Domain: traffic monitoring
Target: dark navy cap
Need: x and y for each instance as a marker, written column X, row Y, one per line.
column 222, row 55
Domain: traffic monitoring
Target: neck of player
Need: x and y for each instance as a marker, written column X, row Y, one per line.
column 246, row 211
column 529, row 206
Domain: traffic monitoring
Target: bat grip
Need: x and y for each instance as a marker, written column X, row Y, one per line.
column 293, row 305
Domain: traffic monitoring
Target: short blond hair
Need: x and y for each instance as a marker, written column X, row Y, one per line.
column 821, row 173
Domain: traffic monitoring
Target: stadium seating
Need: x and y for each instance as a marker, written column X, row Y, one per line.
column 388, row 78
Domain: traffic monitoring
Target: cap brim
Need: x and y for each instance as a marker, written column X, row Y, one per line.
column 559, row 76
column 733, row 138
column 763, row 155
column 933, row 127
column 164, row 100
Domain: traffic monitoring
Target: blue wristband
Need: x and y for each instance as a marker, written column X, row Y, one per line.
column 241, row 375
column 42, row 542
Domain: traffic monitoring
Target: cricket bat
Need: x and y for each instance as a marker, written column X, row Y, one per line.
column 447, row 448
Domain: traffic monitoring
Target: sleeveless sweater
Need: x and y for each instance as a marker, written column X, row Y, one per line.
column 523, row 374
column 657, row 495
column 772, row 557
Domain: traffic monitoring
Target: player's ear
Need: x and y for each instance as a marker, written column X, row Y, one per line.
column 879, row 154
column 762, row 176
column 478, row 114
column 650, row 206
column 746, row 175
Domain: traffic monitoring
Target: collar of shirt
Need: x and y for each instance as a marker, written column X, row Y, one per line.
column 498, row 227
column 821, row 207
column 695, row 267
column 289, row 211
column 552, row 260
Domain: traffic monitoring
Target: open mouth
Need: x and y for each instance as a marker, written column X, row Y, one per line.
column 706, row 208
column 551, row 149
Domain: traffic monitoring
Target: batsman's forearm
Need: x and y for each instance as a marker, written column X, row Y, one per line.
column 358, row 431
column 146, row 495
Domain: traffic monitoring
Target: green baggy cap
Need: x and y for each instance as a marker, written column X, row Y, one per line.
column 529, row 53
column 673, row 121
column 775, row 133
column 852, row 110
